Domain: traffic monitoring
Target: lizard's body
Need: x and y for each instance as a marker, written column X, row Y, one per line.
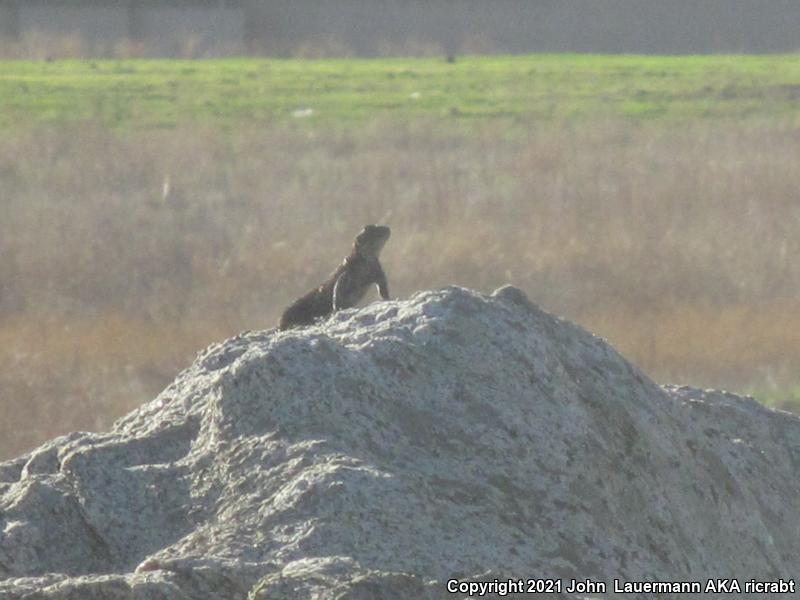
column 347, row 285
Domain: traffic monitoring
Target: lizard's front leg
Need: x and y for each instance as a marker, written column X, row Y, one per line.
column 339, row 292
column 383, row 285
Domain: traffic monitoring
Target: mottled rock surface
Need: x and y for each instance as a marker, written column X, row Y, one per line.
column 451, row 435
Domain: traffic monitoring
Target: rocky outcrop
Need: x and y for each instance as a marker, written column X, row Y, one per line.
column 394, row 448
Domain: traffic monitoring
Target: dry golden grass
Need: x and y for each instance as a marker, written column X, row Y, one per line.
column 123, row 254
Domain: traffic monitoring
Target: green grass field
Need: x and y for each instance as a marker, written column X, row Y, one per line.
column 166, row 93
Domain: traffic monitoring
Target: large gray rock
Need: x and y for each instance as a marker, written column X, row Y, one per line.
column 452, row 435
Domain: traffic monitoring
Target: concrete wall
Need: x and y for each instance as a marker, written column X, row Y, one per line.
column 175, row 30
column 9, row 20
column 633, row 26
column 163, row 28
column 93, row 23
column 368, row 27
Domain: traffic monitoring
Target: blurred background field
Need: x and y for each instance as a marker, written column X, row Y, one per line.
column 150, row 207
column 235, row 93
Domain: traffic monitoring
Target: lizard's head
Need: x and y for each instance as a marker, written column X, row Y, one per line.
column 371, row 240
